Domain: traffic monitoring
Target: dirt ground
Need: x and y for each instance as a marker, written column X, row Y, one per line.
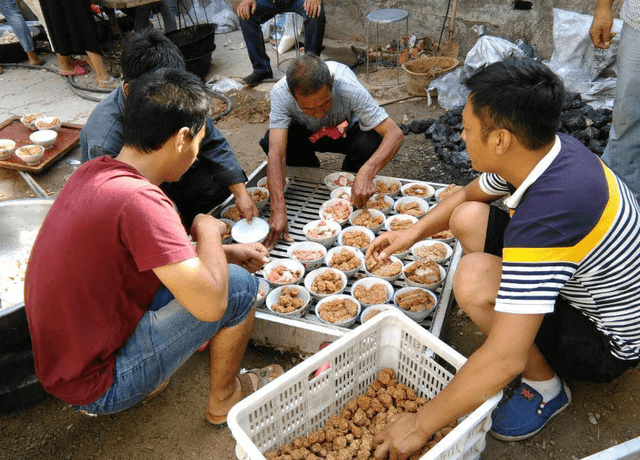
column 172, row 425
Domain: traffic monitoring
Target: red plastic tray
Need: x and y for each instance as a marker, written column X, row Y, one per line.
column 12, row 128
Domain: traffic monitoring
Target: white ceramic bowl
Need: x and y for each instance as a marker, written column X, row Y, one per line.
column 7, row 146
column 429, row 242
column 274, row 297
column 373, row 213
column 443, row 275
column 387, row 199
column 260, row 204
column 263, row 183
column 31, row 159
column 263, row 286
column 374, row 308
column 333, row 251
column 45, row 138
column 438, row 191
column 424, row 206
column 48, row 123
column 226, row 208
column 388, row 181
column 341, row 192
column 333, row 202
column 309, row 279
column 390, row 219
column 254, row 232
column 390, row 279
column 367, row 283
column 231, row 223
column 415, row 315
column 307, row 246
column 31, row 125
column 339, row 179
column 428, row 190
column 442, row 240
column 356, row 228
column 326, row 241
column 292, row 265
column 346, row 323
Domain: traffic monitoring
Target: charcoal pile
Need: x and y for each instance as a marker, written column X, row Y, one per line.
column 590, row 126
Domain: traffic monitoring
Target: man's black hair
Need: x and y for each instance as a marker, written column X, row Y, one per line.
column 307, row 74
column 520, row 95
column 146, row 51
column 159, row 104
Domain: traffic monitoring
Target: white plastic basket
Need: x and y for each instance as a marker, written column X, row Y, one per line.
column 298, row 403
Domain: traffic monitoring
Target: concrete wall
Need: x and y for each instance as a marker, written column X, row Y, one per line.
column 346, row 20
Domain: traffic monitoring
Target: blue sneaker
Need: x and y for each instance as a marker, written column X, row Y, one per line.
column 525, row 414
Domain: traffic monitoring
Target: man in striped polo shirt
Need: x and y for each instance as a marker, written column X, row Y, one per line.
column 554, row 283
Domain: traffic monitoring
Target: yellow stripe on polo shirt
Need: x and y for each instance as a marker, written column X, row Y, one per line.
column 578, row 252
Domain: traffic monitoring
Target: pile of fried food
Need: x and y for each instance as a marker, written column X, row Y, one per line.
column 258, row 195
column 338, row 310
column 410, row 207
column 443, row 235
column 349, row 436
column 288, row 302
column 356, row 238
column 328, row 282
column 338, row 211
column 423, row 271
column 233, row 213
column 281, row 274
column 415, row 300
column 378, row 202
column 383, row 187
column 377, row 293
column 307, row 254
column 345, row 260
column 366, row 219
column 384, row 268
column 436, row 251
column 419, row 190
column 400, row 224
column 448, row 190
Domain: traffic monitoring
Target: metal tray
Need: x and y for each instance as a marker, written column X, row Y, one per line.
column 304, row 196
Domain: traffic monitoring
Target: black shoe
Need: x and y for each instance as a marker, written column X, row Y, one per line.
column 256, row 78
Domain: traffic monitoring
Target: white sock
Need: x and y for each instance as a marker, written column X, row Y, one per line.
column 549, row 389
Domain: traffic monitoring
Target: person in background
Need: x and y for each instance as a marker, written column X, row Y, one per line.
column 72, row 31
column 553, row 284
column 215, row 174
column 316, row 97
column 11, row 12
column 253, row 13
column 622, row 153
column 117, row 297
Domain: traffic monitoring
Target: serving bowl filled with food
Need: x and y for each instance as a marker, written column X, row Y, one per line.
column 7, row 147
column 342, row 192
column 308, row 253
column 336, row 209
column 372, row 291
column 48, row 123
column 280, row 272
column 432, row 250
column 289, row 301
column 323, row 282
column 30, row 154
column 29, row 121
column 260, row 196
column 324, row 232
column 444, row 192
column 263, row 291
column 226, row 238
column 399, row 222
column 369, row 218
column 231, row 212
column 412, row 206
column 339, row 179
column 347, row 259
column 415, row 302
column 263, row 183
column 338, row 310
column 419, row 189
column 389, row 269
column 356, row 236
column 373, row 310
column 380, row 202
column 387, row 185
column 424, row 273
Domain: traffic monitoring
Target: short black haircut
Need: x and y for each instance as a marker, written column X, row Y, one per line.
column 307, row 74
column 520, row 95
column 159, row 104
column 146, row 51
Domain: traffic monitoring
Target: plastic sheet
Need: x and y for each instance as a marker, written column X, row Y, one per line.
column 223, row 84
column 216, row 12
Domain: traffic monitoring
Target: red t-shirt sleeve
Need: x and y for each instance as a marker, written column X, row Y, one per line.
column 152, row 231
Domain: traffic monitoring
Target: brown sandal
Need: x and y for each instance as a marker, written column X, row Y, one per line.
column 265, row 375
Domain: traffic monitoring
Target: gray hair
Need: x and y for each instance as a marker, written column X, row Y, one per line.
column 307, row 74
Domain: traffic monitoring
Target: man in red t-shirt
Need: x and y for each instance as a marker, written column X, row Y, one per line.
column 116, row 296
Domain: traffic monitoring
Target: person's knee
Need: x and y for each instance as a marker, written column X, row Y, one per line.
column 476, row 281
column 243, row 288
column 468, row 225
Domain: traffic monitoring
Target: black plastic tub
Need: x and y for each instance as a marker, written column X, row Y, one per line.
column 196, row 43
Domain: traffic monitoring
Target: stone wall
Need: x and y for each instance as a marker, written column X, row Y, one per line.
column 346, row 20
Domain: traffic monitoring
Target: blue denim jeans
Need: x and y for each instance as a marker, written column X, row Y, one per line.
column 265, row 10
column 622, row 153
column 166, row 336
column 11, row 11
column 168, row 11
